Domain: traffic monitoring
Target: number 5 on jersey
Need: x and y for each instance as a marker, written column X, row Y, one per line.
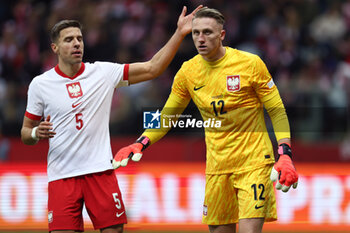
column 117, row 201
column 79, row 121
column 118, row 204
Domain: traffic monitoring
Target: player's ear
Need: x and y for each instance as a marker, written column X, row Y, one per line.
column 54, row 47
column 222, row 34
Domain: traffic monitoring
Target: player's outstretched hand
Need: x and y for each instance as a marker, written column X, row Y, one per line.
column 184, row 23
column 283, row 170
column 133, row 151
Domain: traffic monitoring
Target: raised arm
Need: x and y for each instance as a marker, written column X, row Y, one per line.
column 143, row 71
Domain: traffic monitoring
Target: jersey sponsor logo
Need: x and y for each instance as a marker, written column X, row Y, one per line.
column 76, row 105
column 151, row 120
column 197, row 88
column 120, row 214
column 258, row 207
column 233, row 83
column 74, row 90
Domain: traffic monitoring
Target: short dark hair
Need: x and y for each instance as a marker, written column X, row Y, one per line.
column 206, row 12
column 55, row 31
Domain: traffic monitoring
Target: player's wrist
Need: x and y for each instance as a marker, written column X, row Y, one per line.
column 144, row 141
column 33, row 133
column 284, row 149
column 180, row 33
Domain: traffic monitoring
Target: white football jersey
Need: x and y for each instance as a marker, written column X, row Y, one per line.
column 80, row 108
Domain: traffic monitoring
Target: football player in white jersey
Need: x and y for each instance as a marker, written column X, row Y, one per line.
column 70, row 105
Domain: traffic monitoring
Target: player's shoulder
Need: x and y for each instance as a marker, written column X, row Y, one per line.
column 44, row 76
column 96, row 64
column 192, row 63
column 101, row 63
column 244, row 55
column 103, row 66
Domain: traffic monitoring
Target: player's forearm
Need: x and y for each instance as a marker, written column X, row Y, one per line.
column 173, row 107
column 167, row 114
column 278, row 116
column 285, row 140
column 155, row 136
column 139, row 72
column 280, row 123
column 144, row 71
column 26, row 136
column 161, row 60
column 33, row 130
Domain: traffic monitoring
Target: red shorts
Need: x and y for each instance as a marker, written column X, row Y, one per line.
column 100, row 193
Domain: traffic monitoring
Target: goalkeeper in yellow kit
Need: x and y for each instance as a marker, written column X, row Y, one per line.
column 231, row 86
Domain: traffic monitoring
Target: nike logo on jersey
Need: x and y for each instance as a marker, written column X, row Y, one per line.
column 258, row 207
column 120, row 214
column 197, row 88
column 76, row 105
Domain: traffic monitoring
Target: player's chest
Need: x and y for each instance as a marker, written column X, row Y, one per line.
column 225, row 90
column 72, row 95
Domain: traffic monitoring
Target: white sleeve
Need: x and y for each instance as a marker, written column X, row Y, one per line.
column 35, row 104
column 116, row 73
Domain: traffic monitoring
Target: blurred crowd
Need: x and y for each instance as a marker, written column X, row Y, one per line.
column 304, row 43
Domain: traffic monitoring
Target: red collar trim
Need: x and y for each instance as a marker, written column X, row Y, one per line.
column 80, row 71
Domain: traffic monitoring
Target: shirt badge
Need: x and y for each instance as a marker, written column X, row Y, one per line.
column 233, row 83
column 74, row 90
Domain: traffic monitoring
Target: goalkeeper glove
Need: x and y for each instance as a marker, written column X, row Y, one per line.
column 133, row 151
column 283, row 170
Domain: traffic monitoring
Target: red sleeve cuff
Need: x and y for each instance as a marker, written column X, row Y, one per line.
column 126, row 72
column 32, row 116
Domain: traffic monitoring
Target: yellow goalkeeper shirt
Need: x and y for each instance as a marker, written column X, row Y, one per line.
column 231, row 90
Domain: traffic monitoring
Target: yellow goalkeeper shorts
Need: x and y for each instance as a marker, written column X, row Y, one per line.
column 230, row 197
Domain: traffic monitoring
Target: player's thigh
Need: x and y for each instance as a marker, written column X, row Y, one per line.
column 250, row 225
column 228, row 228
column 256, row 196
column 103, row 200
column 113, row 229
column 220, row 201
column 65, row 204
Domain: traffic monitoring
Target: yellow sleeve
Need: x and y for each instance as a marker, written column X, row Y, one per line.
column 262, row 81
column 173, row 106
column 179, row 86
column 275, row 108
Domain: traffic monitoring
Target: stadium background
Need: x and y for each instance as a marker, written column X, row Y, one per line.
column 305, row 45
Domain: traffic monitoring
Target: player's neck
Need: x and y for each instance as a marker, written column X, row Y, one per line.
column 220, row 52
column 69, row 69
